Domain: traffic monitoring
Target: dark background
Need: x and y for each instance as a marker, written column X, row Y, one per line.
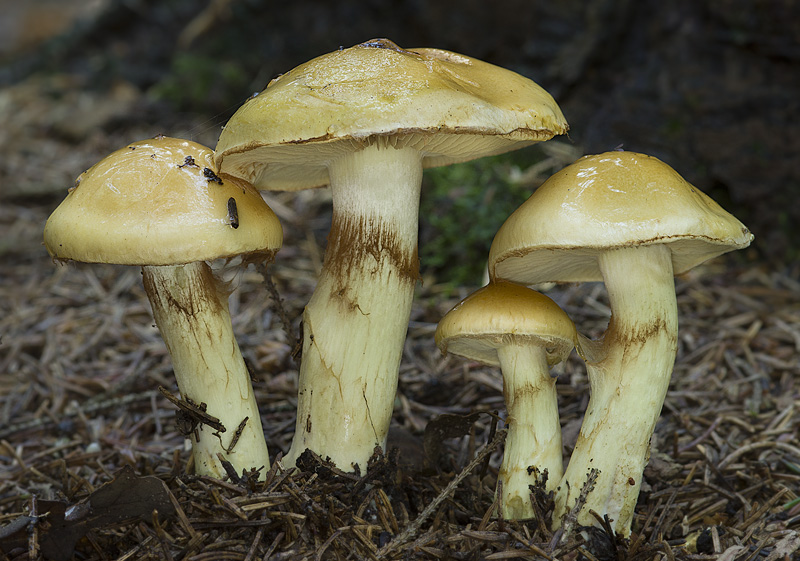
column 711, row 87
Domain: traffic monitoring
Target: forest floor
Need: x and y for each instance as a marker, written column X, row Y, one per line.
column 81, row 418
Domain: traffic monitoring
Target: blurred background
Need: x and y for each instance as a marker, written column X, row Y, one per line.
column 711, row 87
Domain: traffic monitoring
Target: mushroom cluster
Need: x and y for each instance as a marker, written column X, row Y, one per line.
column 631, row 221
column 366, row 121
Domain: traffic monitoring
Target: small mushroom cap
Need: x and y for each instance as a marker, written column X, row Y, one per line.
column 160, row 202
column 452, row 107
column 610, row 201
column 502, row 313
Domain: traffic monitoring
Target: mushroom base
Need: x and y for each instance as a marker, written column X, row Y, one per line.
column 191, row 311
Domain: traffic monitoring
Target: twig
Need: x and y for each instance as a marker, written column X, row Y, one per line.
column 229, row 470
column 33, row 530
column 700, row 438
column 492, row 431
column 256, row 541
column 586, row 553
column 293, row 339
column 236, row 435
column 408, row 533
column 662, row 517
column 571, row 518
column 605, row 524
column 758, row 513
column 273, row 546
column 667, row 549
column 327, row 544
column 526, row 543
column 161, row 536
column 795, row 451
column 135, row 549
column 196, row 411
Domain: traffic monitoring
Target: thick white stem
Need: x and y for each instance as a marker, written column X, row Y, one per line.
column 534, row 433
column 355, row 324
column 191, row 311
column 628, row 383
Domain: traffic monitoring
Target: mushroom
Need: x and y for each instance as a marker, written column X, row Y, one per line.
column 367, row 120
column 160, row 204
column 524, row 332
column 631, row 221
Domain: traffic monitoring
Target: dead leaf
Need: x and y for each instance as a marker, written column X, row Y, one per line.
column 129, row 496
column 15, row 534
column 784, row 548
column 443, row 427
column 61, row 526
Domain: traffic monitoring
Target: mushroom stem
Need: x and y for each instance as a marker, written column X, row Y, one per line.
column 534, row 434
column 190, row 306
column 355, row 323
column 628, row 382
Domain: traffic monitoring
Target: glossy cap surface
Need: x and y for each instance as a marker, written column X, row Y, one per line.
column 160, row 202
column 451, row 107
column 499, row 314
column 610, row 201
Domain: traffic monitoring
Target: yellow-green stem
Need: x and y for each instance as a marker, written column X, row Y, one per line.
column 533, row 445
column 356, row 321
column 191, row 311
column 629, row 381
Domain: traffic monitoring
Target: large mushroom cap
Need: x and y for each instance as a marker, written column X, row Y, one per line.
column 500, row 312
column 610, row 201
column 160, row 202
column 452, row 107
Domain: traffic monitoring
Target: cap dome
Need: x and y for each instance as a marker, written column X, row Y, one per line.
column 608, row 201
column 160, row 202
column 493, row 316
column 452, row 107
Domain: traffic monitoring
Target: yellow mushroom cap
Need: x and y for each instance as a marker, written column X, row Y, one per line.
column 451, row 107
column 501, row 313
column 160, row 202
column 610, row 201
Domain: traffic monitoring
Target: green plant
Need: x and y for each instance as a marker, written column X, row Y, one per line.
column 461, row 208
column 198, row 80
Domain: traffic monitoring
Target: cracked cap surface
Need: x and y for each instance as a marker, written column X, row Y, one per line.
column 451, row 107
